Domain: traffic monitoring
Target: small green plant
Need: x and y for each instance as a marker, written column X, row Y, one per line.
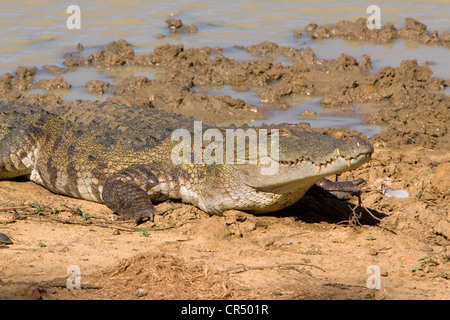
column 374, row 293
column 416, row 269
column 77, row 211
column 58, row 211
column 41, row 244
column 37, row 206
column 84, row 215
column 419, row 195
column 144, row 232
column 370, row 237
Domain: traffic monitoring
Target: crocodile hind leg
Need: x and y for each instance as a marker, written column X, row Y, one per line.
column 125, row 192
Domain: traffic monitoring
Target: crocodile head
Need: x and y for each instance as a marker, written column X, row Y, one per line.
column 304, row 158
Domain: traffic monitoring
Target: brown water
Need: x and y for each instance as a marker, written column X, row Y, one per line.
column 34, row 33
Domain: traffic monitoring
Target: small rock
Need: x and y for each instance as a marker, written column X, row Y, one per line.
column 4, row 239
column 141, row 292
column 38, row 294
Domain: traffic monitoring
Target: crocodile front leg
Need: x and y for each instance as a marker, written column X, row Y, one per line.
column 343, row 190
column 125, row 192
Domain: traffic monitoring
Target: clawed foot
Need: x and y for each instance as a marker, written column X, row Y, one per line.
column 139, row 216
column 125, row 192
column 343, row 190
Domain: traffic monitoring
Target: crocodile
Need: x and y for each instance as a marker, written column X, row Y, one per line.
column 123, row 157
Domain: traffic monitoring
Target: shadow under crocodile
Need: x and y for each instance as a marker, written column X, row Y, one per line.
column 319, row 205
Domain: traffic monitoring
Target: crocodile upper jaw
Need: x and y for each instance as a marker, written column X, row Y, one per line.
column 300, row 174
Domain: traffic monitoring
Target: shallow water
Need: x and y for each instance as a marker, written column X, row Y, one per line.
column 34, row 33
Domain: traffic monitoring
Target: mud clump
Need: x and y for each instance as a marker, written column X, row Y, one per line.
column 97, row 87
column 21, row 80
column 116, row 53
column 415, row 30
column 57, row 83
column 177, row 26
column 174, row 24
column 55, row 70
column 411, row 30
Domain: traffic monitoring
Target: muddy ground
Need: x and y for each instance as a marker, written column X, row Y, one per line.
column 320, row 248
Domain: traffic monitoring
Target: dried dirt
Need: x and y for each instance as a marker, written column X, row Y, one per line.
column 320, row 248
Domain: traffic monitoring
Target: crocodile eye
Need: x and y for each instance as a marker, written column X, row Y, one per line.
column 283, row 133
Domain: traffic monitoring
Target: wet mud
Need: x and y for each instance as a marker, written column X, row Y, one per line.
column 412, row 29
column 319, row 248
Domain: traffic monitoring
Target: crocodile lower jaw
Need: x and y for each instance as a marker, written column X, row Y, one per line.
column 336, row 164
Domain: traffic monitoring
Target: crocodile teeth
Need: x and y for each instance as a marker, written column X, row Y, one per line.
column 318, row 168
column 349, row 162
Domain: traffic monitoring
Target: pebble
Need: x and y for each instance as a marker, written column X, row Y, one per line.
column 4, row 239
column 141, row 292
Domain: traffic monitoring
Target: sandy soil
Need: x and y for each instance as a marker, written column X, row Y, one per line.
column 320, row 248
